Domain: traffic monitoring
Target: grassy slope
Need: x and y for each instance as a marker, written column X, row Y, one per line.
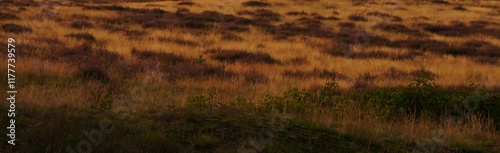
column 181, row 130
column 56, row 104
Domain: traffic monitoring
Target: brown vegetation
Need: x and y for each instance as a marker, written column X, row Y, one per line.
column 253, row 3
column 14, row 28
column 357, row 17
column 361, row 74
column 81, row 24
column 398, row 28
column 8, row 16
column 82, row 36
column 232, row 56
column 327, row 74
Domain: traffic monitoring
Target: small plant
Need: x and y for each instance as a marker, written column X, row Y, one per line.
column 105, row 103
column 92, row 73
column 200, row 59
column 459, row 8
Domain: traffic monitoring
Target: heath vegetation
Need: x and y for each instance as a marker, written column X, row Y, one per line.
column 255, row 75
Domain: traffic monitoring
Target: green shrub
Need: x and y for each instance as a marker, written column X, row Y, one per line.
column 104, row 104
column 423, row 96
column 420, row 98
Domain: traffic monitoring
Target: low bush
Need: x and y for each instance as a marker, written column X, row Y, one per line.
column 481, row 23
column 232, row 26
column 14, row 28
column 80, row 16
column 266, row 15
column 157, row 24
column 231, row 37
column 110, row 8
column 188, row 3
column 423, row 96
column 357, row 17
column 470, row 48
column 330, row 18
column 124, row 9
column 81, row 24
column 255, row 77
column 461, row 29
column 476, row 48
column 245, row 12
column 360, row 37
column 85, row 54
column 378, row 54
column 194, row 71
column 298, row 61
column 459, row 8
column 391, row 3
column 296, row 13
column 397, row 19
column 81, row 36
column 486, row 60
column 379, row 14
column 440, row 2
column 421, row 44
column 327, row 74
column 135, row 34
column 182, row 10
column 179, row 41
column 174, row 67
column 8, row 16
column 338, row 49
column 398, row 28
column 253, row 3
column 301, row 101
column 420, row 98
column 92, row 73
column 455, row 29
column 347, row 25
column 232, row 56
column 158, row 57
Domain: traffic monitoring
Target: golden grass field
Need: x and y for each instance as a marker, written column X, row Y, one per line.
column 153, row 56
